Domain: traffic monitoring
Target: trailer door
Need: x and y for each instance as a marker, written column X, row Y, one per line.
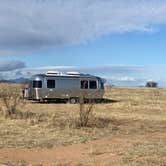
column 50, row 88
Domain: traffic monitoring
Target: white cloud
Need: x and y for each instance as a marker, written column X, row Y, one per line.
column 122, row 78
column 34, row 24
column 115, row 75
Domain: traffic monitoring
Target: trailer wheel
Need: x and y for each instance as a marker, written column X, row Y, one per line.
column 73, row 100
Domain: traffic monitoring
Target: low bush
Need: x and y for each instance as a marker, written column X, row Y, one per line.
column 11, row 99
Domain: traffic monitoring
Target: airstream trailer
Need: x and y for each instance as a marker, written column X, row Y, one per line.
column 70, row 86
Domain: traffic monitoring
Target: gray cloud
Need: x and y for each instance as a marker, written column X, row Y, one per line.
column 34, row 24
column 11, row 65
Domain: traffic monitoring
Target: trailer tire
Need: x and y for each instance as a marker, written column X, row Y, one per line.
column 73, row 100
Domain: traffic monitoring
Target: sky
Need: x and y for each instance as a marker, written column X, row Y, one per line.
column 123, row 41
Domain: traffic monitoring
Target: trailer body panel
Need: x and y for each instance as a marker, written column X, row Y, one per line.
column 50, row 87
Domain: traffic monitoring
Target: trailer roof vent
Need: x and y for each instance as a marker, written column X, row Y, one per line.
column 53, row 73
column 73, row 73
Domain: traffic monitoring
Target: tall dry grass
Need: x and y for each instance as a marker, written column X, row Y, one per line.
column 139, row 115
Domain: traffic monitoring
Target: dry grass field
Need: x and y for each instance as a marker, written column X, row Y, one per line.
column 129, row 131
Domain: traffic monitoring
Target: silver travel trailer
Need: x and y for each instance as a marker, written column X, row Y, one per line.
column 70, row 86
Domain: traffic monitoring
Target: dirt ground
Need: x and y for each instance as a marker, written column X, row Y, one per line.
column 106, row 151
column 97, row 152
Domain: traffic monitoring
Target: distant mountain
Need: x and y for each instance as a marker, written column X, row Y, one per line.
column 17, row 80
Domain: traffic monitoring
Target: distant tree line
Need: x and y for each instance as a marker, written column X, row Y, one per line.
column 151, row 84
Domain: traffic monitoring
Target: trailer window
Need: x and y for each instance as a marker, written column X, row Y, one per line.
column 84, row 84
column 37, row 84
column 50, row 83
column 93, row 84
